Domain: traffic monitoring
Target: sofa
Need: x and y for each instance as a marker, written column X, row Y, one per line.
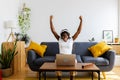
column 105, row 62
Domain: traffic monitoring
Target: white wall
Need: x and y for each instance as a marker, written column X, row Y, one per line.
column 98, row 15
column 8, row 11
column 119, row 17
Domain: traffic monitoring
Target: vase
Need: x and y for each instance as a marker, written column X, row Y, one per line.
column 6, row 72
column 116, row 40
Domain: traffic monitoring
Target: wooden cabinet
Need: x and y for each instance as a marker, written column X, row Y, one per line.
column 115, row 47
column 19, row 60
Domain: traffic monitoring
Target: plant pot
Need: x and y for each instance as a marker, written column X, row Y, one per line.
column 6, row 72
column 116, row 40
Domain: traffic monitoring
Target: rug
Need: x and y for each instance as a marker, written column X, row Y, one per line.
column 110, row 76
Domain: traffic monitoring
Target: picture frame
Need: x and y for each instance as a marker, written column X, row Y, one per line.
column 108, row 36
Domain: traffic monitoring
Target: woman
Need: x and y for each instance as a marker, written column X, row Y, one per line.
column 65, row 42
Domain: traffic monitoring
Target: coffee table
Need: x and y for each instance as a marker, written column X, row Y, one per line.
column 81, row 67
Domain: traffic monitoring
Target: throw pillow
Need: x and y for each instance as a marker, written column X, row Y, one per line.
column 40, row 49
column 99, row 49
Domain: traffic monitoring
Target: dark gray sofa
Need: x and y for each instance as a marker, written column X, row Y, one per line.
column 104, row 62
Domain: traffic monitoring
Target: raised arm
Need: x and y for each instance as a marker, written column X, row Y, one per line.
column 78, row 30
column 53, row 29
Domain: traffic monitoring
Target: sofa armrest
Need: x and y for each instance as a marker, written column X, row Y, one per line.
column 30, row 58
column 110, row 55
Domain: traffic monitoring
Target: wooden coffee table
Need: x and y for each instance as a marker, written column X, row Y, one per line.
column 81, row 67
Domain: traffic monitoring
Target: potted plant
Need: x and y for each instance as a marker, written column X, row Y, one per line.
column 24, row 24
column 6, row 59
column 22, row 37
column 24, row 19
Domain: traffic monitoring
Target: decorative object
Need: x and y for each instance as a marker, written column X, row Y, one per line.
column 9, row 24
column 24, row 19
column 99, row 49
column 7, row 72
column 116, row 40
column 108, row 36
column 24, row 24
column 22, row 37
column 7, row 57
column 92, row 39
column 40, row 49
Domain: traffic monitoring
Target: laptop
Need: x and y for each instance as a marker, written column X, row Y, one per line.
column 65, row 59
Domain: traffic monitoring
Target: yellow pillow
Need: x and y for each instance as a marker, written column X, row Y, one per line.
column 99, row 49
column 40, row 49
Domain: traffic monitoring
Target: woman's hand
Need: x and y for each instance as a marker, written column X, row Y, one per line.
column 51, row 17
column 80, row 18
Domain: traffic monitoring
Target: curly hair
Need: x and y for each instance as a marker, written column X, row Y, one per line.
column 65, row 31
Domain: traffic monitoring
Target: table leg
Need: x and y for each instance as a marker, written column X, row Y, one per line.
column 44, row 75
column 98, row 75
column 92, row 75
column 39, row 75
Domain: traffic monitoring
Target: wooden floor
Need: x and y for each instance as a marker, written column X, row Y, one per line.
column 28, row 73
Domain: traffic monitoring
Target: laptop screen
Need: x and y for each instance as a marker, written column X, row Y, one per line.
column 65, row 59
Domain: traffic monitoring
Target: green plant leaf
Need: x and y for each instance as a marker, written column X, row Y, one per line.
column 8, row 55
column 24, row 19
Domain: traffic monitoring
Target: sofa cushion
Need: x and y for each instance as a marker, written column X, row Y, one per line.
column 40, row 61
column 81, row 48
column 39, row 49
column 78, row 58
column 99, row 49
column 52, row 48
column 99, row 61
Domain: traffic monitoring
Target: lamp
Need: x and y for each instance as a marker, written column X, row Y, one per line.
column 9, row 24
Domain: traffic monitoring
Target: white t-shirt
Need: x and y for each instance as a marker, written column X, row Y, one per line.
column 65, row 47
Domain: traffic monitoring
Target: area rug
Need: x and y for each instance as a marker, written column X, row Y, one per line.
column 110, row 76
column 69, row 79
